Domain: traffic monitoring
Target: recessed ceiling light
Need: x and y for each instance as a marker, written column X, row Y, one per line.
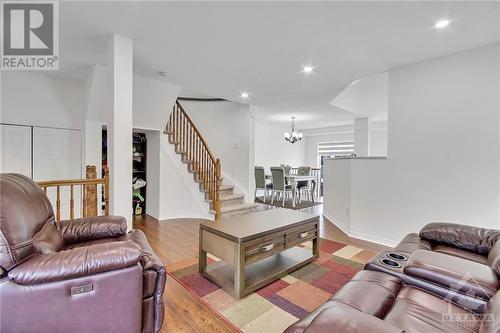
column 442, row 24
column 307, row 69
column 164, row 74
column 244, row 95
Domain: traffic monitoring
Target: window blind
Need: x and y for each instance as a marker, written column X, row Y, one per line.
column 345, row 148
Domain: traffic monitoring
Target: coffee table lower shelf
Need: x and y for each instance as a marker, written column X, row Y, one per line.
column 260, row 273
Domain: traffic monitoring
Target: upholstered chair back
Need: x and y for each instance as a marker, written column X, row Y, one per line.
column 260, row 177
column 304, row 171
column 278, row 174
column 26, row 221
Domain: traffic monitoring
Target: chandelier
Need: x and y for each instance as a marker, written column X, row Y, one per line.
column 293, row 136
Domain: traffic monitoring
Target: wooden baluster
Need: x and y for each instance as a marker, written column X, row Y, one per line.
column 106, row 190
column 218, row 174
column 84, row 202
column 200, row 154
column 58, row 204
column 185, row 136
column 205, row 171
column 197, row 155
column 45, row 190
column 174, row 124
column 188, row 141
column 176, row 131
column 181, row 132
column 71, row 204
column 191, row 145
column 179, row 137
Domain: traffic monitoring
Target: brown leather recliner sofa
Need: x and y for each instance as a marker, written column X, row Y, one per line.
column 83, row 275
column 447, row 280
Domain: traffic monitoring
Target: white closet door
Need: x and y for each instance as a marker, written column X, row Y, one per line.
column 15, row 149
column 57, row 154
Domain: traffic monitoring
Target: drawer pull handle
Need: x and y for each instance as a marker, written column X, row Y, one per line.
column 304, row 234
column 268, row 247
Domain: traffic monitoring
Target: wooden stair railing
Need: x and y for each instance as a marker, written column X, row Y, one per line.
column 89, row 192
column 195, row 151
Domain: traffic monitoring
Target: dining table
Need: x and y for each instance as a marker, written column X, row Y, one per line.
column 294, row 180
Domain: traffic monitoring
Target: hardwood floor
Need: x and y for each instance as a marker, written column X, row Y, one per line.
column 176, row 240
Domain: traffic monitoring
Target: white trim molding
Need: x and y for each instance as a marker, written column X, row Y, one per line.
column 358, row 235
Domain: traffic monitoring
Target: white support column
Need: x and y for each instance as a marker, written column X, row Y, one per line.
column 119, row 59
column 362, row 137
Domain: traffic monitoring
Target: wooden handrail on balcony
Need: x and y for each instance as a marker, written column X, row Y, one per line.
column 190, row 143
column 89, row 192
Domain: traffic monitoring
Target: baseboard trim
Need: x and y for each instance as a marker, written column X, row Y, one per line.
column 361, row 236
column 193, row 216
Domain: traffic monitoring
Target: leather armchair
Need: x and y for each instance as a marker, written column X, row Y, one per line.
column 84, row 275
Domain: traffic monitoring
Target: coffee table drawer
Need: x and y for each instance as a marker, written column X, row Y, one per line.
column 301, row 234
column 258, row 249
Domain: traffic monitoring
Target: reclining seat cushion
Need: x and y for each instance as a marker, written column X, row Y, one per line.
column 24, row 211
column 343, row 318
column 469, row 238
column 418, row 311
column 369, row 292
column 411, row 243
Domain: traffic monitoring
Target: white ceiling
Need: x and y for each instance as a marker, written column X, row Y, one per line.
column 222, row 48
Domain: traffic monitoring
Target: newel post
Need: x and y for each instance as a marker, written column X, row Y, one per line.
column 90, row 195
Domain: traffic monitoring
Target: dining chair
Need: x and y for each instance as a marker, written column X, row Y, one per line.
column 279, row 185
column 260, row 181
column 304, row 185
column 287, row 168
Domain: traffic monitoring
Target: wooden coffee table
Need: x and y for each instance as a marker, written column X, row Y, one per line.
column 256, row 249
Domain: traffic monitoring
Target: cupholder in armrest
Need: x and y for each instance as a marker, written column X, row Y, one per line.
column 390, row 263
column 397, row 256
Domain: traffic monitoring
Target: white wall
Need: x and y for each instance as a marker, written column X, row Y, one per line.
column 31, row 98
column 378, row 141
column 153, row 102
column 226, row 128
column 444, row 151
column 337, row 191
column 271, row 149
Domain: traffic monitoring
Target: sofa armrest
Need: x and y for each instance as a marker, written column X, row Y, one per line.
column 77, row 262
column 454, row 273
column 91, row 228
column 479, row 240
column 343, row 318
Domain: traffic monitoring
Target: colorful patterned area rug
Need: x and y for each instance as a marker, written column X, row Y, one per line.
column 279, row 304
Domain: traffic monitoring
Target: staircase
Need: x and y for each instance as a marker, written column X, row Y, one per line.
column 206, row 169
